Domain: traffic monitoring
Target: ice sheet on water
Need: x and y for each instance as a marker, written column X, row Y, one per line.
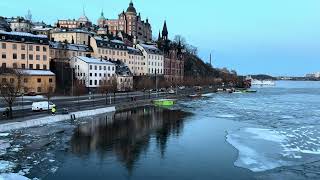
column 12, row 176
column 265, row 149
column 4, row 145
column 6, row 166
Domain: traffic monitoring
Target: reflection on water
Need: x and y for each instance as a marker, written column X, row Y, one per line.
column 127, row 134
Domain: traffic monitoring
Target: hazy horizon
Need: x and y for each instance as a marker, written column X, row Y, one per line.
column 251, row 37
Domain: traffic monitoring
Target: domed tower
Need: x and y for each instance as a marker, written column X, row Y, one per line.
column 101, row 20
column 131, row 16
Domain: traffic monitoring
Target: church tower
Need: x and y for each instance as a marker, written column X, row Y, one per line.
column 165, row 31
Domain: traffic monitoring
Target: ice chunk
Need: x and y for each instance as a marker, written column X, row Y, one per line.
column 12, row 176
column 6, row 166
column 4, row 134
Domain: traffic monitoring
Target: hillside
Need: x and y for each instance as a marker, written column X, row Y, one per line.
column 195, row 67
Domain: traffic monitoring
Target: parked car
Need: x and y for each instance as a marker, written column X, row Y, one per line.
column 42, row 106
column 171, row 91
column 182, row 87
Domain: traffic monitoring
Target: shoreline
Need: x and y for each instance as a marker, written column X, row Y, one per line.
column 49, row 119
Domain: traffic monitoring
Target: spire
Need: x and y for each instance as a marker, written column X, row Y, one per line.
column 83, row 11
column 165, row 31
column 159, row 37
column 102, row 14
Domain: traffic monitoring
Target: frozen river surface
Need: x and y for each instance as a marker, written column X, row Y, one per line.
column 273, row 134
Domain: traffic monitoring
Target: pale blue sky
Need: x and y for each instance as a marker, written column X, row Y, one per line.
column 279, row 37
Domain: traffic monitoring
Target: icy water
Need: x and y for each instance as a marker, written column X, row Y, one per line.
column 273, row 134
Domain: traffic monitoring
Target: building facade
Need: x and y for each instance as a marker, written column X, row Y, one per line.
column 92, row 72
column 30, row 54
column 108, row 49
column 72, row 36
column 153, row 58
column 20, row 24
column 136, row 62
column 82, row 22
column 130, row 23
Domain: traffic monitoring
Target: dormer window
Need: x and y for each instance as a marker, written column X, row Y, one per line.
column 3, row 37
column 22, row 39
column 41, row 41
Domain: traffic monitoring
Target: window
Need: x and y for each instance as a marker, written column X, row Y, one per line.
column 30, row 56
column 95, row 82
column 4, row 80
column 14, row 65
column 39, row 80
column 23, row 66
column 44, row 57
column 105, row 68
column 4, row 56
column 44, row 49
column 23, row 47
column 14, row 55
column 38, row 57
column 30, row 48
column 37, row 48
column 50, row 80
column 90, row 75
column 95, row 68
column 100, row 68
column 30, row 66
column 11, row 80
column 95, row 74
column 45, row 67
column 39, row 89
column 25, row 80
column 38, row 66
column 4, row 65
column 90, row 67
column 4, row 46
column 91, row 82
column 14, row 46
column 23, row 56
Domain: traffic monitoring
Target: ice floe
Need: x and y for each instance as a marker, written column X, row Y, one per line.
column 265, row 149
column 12, row 176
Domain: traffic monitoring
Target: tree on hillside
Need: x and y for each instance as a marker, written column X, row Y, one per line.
column 10, row 87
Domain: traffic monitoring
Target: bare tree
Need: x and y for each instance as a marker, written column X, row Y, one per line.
column 79, row 89
column 10, row 87
column 49, row 94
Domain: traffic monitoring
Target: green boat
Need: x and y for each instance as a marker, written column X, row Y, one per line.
column 249, row 91
column 164, row 102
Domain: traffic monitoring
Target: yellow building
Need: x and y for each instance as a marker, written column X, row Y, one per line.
column 30, row 54
column 72, row 36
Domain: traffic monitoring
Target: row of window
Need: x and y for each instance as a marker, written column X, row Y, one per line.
column 23, row 66
column 23, row 47
column 100, row 67
column 23, row 56
column 25, row 80
column 153, row 71
column 155, row 64
column 111, row 52
column 155, row 57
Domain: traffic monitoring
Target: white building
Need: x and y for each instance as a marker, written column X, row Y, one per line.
column 154, row 59
column 93, row 72
column 314, row 75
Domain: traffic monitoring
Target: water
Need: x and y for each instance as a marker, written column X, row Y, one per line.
column 273, row 134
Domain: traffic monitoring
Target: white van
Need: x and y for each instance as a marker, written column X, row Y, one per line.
column 42, row 106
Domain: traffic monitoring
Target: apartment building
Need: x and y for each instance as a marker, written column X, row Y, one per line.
column 30, row 54
column 136, row 62
column 154, row 59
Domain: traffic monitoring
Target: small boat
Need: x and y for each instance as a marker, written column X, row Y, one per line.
column 249, row 91
column 195, row 95
column 164, row 102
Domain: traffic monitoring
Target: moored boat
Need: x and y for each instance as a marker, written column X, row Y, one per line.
column 164, row 102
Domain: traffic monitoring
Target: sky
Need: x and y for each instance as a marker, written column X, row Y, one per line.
column 276, row 37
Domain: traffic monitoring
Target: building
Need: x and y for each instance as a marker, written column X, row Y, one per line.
column 82, row 22
column 136, row 62
column 72, row 36
column 124, row 76
column 20, row 24
column 30, row 54
column 173, row 57
column 4, row 26
column 93, row 72
column 60, row 51
column 130, row 23
column 108, row 49
column 313, row 75
column 153, row 58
